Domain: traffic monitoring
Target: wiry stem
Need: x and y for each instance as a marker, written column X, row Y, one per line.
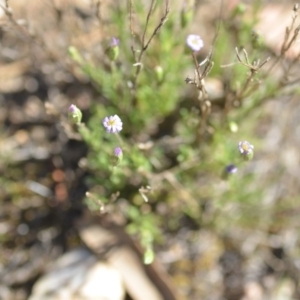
column 145, row 44
column 287, row 42
column 254, row 68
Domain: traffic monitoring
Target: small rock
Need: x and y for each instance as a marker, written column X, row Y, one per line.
column 78, row 275
column 102, row 282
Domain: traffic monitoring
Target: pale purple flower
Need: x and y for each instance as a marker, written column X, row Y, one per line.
column 245, row 148
column 112, row 124
column 194, row 42
column 114, row 42
column 118, row 152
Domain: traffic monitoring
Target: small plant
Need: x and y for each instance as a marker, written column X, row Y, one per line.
column 170, row 143
column 168, row 109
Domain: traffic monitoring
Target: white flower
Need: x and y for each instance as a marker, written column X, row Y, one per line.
column 194, row 42
column 112, row 124
column 245, row 148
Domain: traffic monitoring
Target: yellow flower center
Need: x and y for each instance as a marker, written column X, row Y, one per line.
column 111, row 122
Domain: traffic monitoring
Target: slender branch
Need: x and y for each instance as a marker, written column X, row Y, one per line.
column 131, row 29
column 147, row 22
column 254, row 68
column 292, row 40
column 286, row 45
column 162, row 22
column 197, row 67
column 154, row 33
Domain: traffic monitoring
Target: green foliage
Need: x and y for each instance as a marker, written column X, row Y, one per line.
column 169, row 141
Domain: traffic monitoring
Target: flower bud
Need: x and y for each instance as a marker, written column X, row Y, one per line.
column 256, row 40
column 159, row 72
column 233, row 126
column 149, row 256
column 240, row 9
column 75, row 114
column 296, row 7
column 75, row 55
column 187, row 13
column 229, row 170
column 113, row 49
column 117, row 156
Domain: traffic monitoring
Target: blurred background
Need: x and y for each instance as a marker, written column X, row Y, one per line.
column 171, row 221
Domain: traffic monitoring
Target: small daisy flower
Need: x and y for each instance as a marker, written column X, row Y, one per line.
column 246, row 150
column 194, row 42
column 112, row 124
